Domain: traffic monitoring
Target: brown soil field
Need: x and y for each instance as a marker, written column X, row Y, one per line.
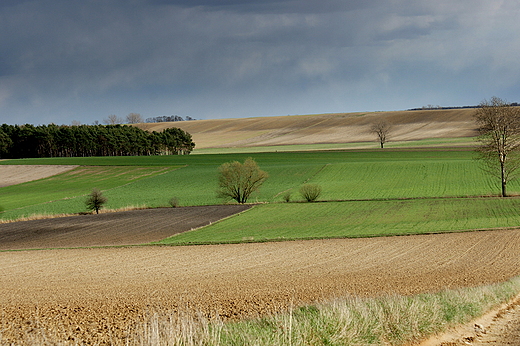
column 324, row 128
column 110, row 229
column 12, row 175
column 98, row 294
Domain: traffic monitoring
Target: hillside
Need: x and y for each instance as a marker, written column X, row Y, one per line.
column 323, row 128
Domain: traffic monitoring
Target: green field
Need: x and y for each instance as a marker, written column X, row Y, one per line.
column 368, row 193
column 59, row 194
column 287, row 221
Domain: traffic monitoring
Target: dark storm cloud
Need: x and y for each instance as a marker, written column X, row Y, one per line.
column 274, row 6
column 69, row 59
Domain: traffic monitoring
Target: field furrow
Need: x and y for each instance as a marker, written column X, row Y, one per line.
column 122, row 228
column 126, row 284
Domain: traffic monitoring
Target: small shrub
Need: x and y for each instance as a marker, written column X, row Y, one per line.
column 174, row 202
column 287, row 196
column 95, row 200
column 310, row 192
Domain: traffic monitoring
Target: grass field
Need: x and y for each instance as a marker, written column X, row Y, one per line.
column 37, row 196
column 357, row 219
column 369, row 184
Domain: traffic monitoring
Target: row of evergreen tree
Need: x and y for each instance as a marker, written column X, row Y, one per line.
column 24, row 141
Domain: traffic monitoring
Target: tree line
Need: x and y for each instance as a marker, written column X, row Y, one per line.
column 136, row 118
column 26, row 141
column 432, row 107
column 168, row 118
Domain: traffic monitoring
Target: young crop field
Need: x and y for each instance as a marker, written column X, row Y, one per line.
column 301, row 157
column 397, row 179
column 36, row 195
column 192, row 180
column 286, row 221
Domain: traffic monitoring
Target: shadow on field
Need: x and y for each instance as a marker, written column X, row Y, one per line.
column 122, row 228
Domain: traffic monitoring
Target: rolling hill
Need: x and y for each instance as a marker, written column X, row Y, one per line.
column 324, row 128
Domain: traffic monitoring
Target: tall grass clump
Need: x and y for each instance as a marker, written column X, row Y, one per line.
column 390, row 320
column 174, row 202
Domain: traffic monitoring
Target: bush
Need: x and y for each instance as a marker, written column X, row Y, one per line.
column 95, row 200
column 174, row 202
column 287, row 196
column 310, row 192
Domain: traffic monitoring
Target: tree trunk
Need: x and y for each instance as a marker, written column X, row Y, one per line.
column 503, row 176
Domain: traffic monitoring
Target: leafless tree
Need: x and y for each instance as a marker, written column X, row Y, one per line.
column 499, row 128
column 238, row 181
column 113, row 120
column 381, row 129
column 134, row 118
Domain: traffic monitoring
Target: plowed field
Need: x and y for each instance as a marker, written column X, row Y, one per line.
column 123, row 228
column 98, row 294
column 324, row 128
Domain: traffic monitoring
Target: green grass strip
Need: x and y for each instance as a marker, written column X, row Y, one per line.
column 287, row 221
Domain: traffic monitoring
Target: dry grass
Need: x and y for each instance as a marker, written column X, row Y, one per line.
column 53, row 216
column 394, row 320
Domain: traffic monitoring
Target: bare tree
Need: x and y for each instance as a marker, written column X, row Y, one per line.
column 134, row 118
column 95, row 200
column 238, row 181
column 499, row 129
column 381, row 129
column 113, row 120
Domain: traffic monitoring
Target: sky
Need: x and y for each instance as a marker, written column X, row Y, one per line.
column 65, row 61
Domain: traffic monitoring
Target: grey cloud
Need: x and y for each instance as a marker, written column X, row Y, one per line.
column 281, row 56
column 419, row 27
column 274, row 6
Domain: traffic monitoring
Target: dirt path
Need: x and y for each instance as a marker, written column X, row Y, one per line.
column 17, row 174
column 498, row 327
column 95, row 294
column 504, row 329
